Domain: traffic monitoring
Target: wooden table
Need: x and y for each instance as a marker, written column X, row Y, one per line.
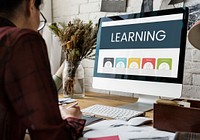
column 107, row 99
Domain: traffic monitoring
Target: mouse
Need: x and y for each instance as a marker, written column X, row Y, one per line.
column 137, row 121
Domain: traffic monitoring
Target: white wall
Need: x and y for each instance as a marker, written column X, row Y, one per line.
column 53, row 47
column 66, row 10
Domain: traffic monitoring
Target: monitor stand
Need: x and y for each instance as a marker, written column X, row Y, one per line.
column 144, row 103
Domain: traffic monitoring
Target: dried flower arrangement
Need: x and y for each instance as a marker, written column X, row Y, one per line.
column 78, row 41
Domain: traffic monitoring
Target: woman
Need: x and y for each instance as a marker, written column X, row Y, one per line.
column 28, row 96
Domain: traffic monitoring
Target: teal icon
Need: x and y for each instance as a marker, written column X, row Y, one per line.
column 121, row 62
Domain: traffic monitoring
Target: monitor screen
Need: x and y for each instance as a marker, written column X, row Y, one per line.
column 142, row 53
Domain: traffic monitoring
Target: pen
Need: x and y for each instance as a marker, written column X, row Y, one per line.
column 72, row 105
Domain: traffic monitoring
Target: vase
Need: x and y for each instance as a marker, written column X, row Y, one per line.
column 73, row 80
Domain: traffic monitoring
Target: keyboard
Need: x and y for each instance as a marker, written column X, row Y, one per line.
column 111, row 112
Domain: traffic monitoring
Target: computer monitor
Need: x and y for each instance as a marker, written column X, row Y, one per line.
column 142, row 53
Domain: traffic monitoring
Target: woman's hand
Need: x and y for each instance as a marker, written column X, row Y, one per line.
column 74, row 112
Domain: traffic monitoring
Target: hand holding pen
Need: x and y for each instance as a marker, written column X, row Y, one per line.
column 71, row 111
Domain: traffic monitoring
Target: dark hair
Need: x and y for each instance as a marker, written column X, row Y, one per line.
column 38, row 3
column 11, row 5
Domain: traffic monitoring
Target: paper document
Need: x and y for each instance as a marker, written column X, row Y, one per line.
column 105, row 138
column 125, row 131
column 66, row 100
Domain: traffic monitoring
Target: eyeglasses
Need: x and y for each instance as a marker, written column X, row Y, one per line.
column 43, row 22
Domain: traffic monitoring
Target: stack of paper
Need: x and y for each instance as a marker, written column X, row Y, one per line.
column 124, row 131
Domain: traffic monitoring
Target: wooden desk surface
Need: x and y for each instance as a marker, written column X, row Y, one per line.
column 107, row 99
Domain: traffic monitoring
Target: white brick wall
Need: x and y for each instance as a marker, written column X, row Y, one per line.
column 89, row 7
column 65, row 10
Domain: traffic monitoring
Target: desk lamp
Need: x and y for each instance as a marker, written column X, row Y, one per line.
column 193, row 35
